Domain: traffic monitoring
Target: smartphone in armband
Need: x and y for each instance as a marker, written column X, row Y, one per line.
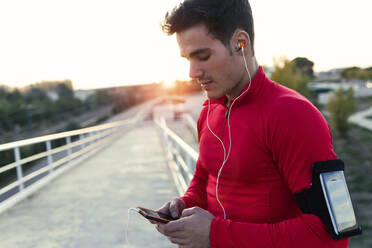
column 338, row 202
column 154, row 216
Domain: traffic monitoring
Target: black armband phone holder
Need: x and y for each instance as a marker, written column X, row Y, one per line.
column 329, row 199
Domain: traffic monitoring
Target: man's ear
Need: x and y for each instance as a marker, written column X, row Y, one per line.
column 239, row 40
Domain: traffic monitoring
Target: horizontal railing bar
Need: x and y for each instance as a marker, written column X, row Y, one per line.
column 8, row 167
column 40, row 139
column 177, row 176
column 75, row 154
column 32, row 175
column 73, row 144
column 33, row 157
column 53, row 151
column 44, row 154
column 182, row 163
column 191, row 123
column 9, row 187
column 54, row 165
column 187, row 148
column 36, row 173
column 46, row 168
column 178, row 149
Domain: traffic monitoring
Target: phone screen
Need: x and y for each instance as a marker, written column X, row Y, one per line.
column 156, row 214
column 338, row 200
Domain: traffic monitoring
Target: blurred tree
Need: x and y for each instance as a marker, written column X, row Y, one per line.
column 340, row 107
column 357, row 73
column 52, row 85
column 14, row 96
column 35, row 94
column 64, row 90
column 350, row 73
column 69, row 106
column 5, row 121
column 103, row 97
column 305, row 65
column 11, row 108
column 369, row 73
column 288, row 74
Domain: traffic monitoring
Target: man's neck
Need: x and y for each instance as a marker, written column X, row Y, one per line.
column 252, row 68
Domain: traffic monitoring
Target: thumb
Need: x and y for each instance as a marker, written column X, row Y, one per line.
column 189, row 211
column 175, row 207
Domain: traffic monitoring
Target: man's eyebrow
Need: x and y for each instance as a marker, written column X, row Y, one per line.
column 199, row 51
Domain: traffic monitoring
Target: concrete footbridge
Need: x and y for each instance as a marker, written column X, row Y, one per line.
column 78, row 190
column 78, row 194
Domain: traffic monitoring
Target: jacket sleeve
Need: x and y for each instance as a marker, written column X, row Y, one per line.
column 297, row 136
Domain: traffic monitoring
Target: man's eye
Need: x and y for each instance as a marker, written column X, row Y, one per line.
column 204, row 58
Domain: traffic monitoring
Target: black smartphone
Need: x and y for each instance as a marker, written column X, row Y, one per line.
column 155, row 216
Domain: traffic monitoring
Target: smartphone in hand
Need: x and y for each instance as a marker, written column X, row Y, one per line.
column 154, row 216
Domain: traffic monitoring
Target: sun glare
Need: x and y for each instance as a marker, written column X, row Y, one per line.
column 168, row 84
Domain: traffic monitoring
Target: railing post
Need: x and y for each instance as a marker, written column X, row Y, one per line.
column 50, row 158
column 94, row 136
column 82, row 145
column 188, row 162
column 17, row 156
column 68, row 143
column 97, row 134
column 90, row 136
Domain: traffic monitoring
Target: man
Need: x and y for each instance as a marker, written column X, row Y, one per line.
column 258, row 140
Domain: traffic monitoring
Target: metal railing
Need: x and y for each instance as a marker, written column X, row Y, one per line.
column 181, row 157
column 79, row 144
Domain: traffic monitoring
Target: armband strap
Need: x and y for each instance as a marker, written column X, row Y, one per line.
column 318, row 199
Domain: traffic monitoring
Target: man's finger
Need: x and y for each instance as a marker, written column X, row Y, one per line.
column 176, row 205
column 153, row 222
column 189, row 211
column 164, row 209
column 178, row 241
column 170, row 228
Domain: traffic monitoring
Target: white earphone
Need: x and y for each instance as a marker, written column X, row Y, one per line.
column 239, row 47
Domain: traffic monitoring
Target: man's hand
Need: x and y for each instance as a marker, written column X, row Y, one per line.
column 173, row 208
column 191, row 230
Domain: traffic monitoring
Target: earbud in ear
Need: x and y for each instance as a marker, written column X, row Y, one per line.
column 240, row 44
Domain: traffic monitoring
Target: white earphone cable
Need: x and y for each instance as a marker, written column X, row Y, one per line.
column 225, row 157
column 126, row 230
column 223, row 163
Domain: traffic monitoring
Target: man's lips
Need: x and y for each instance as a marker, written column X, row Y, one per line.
column 205, row 84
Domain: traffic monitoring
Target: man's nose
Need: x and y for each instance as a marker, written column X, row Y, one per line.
column 195, row 71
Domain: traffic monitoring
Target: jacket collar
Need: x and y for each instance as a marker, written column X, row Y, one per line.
column 257, row 84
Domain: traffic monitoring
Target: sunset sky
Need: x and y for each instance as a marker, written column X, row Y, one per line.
column 116, row 42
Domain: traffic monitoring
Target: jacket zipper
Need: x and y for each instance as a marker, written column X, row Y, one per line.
column 227, row 109
column 227, row 113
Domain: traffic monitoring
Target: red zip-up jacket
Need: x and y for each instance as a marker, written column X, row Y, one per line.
column 276, row 136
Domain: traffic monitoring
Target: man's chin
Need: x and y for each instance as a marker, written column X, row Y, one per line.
column 212, row 95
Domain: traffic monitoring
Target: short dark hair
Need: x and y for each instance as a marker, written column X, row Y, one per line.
column 221, row 17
